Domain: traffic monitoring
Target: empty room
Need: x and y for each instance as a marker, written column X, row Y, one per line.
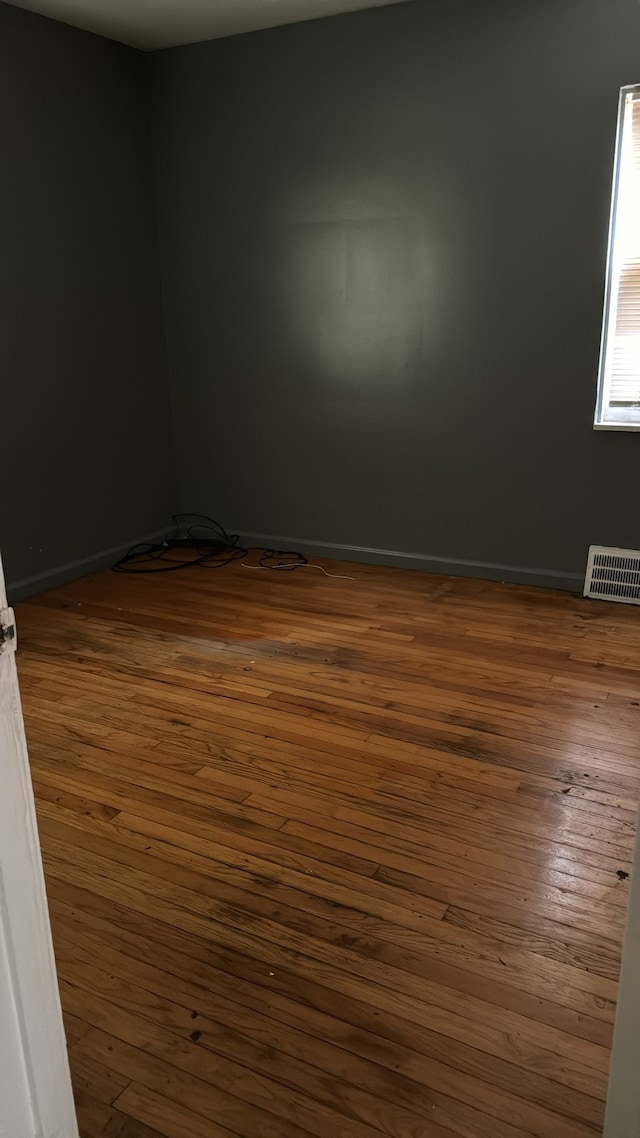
column 320, row 646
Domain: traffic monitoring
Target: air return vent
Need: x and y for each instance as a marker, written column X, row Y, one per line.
column 613, row 574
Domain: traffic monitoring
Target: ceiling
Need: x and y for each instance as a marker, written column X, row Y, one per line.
column 151, row 24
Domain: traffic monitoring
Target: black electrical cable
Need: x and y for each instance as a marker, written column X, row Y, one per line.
column 222, row 548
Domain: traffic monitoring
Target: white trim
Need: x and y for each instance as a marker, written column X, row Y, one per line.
column 30, row 973
column 607, row 417
column 16, row 1114
column 622, row 1119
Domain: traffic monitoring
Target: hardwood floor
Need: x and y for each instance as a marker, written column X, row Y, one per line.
column 334, row 858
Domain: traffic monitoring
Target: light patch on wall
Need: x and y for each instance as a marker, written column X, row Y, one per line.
column 352, row 288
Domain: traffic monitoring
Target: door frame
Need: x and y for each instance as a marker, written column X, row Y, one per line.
column 28, row 979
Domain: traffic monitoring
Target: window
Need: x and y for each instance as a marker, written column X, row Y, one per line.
column 618, row 405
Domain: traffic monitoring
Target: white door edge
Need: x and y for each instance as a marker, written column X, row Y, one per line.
column 34, row 1081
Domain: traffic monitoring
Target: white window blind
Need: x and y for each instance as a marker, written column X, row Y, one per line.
column 619, row 380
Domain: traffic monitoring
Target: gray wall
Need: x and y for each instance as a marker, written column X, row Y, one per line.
column 85, row 453
column 383, row 242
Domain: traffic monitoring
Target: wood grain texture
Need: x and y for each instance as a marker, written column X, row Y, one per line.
column 334, row 858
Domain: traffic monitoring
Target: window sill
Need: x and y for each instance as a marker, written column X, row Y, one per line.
column 616, row 426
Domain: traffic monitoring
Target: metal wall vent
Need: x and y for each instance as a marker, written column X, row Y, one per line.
column 613, row 574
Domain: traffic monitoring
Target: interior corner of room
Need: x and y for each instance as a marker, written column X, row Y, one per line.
column 358, row 312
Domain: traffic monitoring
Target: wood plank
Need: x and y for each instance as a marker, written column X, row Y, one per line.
column 91, row 1076
column 74, row 1028
column 370, row 837
column 193, row 1076
column 412, row 949
column 435, row 935
column 421, row 1054
column 495, row 847
column 172, row 1119
column 464, row 1018
column 349, row 1090
column 99, row 1121
column 274, row 1049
